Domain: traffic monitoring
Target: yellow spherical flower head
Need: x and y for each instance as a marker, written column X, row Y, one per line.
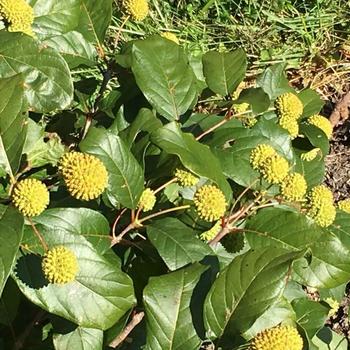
column 147, row 200
column 277, row 338
column 311, row 155
column 185, row 178
column 30, row 197
column 293, row 187
column 241, row 107
column 289, row 105
column 137, row 9
column 291, row 125
column 60, row 265
column 275, row 169
column 344, row 205
column 210, row 203
column 320, row 195
column 211, row 233
column 320, row 206
column 170, row 36
column 259, row 155
column 322, row 123
column 18, row 14
column 85, row 175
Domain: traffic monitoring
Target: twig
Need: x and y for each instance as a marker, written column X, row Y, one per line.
column 39, row 235
column 136, row 319
column 116, row 221
column 341, row 112
column 165, row 185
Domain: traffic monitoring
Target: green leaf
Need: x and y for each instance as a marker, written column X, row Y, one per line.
column 193, row 155
column 95, row 17
column 274, row 81
column 125, row 175
column 279, row 312
column 176, row 243
column 53, row 17
column 326, row 339
column 224, row 71
column 98, row 297
column 316, row 137
column 11, row 231
column 80, row 339
column 328, row 263
column 74, row 48
column 163, row 74
column 311, row 316
column 48, row 84
column 257, row 98
column 312, row 102
column 9, row 303
column 168, row 316
column 78, row 221
column 245, row 290
column 12, row 122
column 144, row 121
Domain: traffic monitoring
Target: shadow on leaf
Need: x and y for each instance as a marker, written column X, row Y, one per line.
column 28, row 270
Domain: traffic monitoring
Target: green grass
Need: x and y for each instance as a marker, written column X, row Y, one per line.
column 303, row 33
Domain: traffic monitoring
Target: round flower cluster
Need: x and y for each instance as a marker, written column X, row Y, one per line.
column 320, row 206
column 18, row 14
column 137, row 9
column 344, row 205
column 210, row 203
column 259, row 155
column 311, row 155
column 30, row 197
column 289, row 109
column 170, row 36
column 60, row 265
column 147, row 200
column 322, row 123
column 211, row 233
column 273, row 167
column 293, row 187
column 84, row 175
column 277, row 338
column 185, row 178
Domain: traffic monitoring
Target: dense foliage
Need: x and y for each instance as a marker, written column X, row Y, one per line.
column 170, row 204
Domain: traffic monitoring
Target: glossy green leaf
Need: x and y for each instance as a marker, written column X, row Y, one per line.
column 12, row 122
column 279, row 312
column 245, row 290
column 163, row 74
column 316, row 137
column 193, row 154
column 257, row 98
column 327, row 264
column 74, row 48
column 48, row 85
column 125, row 175
column 78, row 221
column 11, row 231
column 224, row 71
column 98, row 297
column 95, row 16
column 80, row 339
column 9, row 303
column 326, row 339
column 53, row 17
column 274, row 81
column 168, row 316
column 176, row 243
column 312, row 102
column 310, row 315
